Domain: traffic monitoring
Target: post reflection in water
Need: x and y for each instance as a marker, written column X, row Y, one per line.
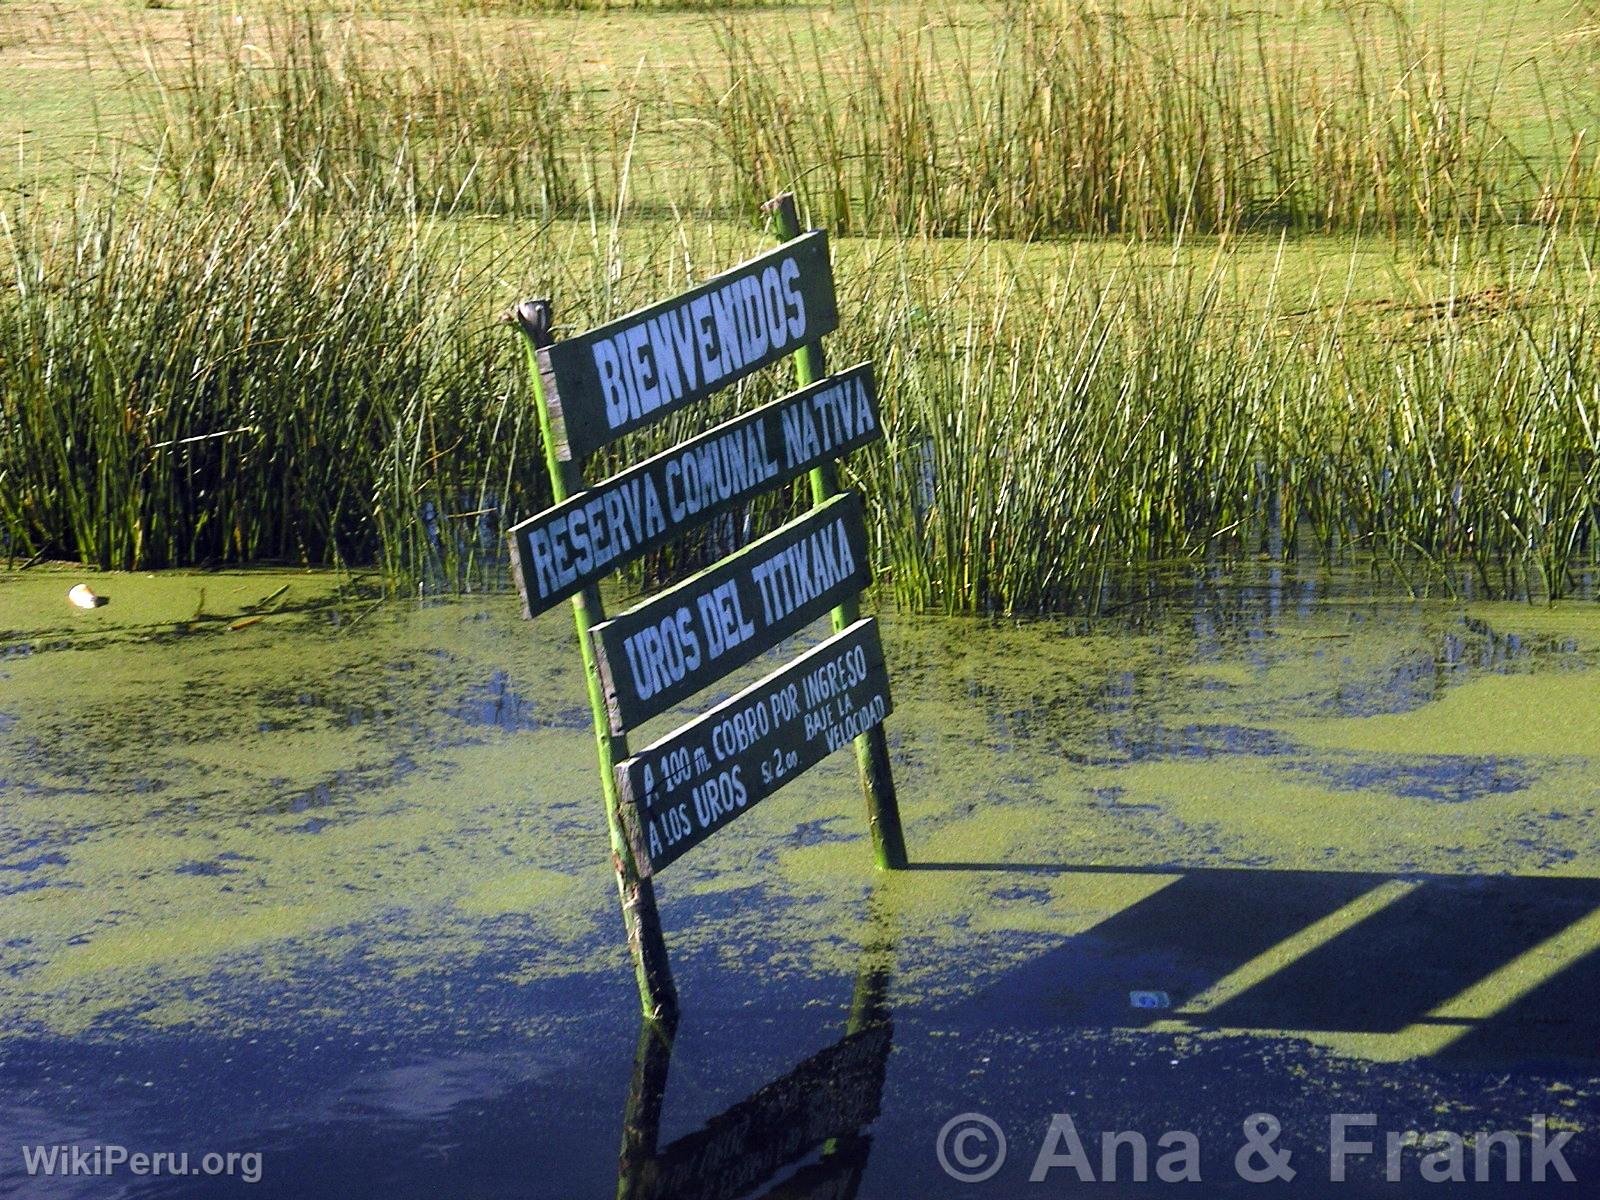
column 825, row 1106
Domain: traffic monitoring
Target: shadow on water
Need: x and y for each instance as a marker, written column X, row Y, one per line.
column 1476, row 969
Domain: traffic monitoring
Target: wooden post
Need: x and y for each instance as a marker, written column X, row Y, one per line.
column 872, row 747
column 657, row 994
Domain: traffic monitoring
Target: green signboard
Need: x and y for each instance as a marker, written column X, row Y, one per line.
column 600, row 385
column 683, row 788
column 634, row 371
column 584, row 538
column 684, row 639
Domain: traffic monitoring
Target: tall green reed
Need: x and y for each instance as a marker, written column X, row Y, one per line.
column 1046, row 432
column 1109, row 119
column 234, row 382
column 329, row 114
column 247, row 383
column 1051, row 119
column 286, row 349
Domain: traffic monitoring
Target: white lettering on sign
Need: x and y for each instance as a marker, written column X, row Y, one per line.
column 714, row 623
column 596, row 534
column 836, row 415
column 698, row 343
column 590, row 538
column 834, row 676
column 722, row 619
column 693, row 782
column 597, row 531
column 803, row 571
column 853, row 724
column 662, row 654
column 718, row 797
column 704, row 476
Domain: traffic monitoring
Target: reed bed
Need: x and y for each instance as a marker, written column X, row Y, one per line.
column 324, row 115
column 1065, row 118
column 1042, row 442
column 242, row 383
column 285, row 346
column 252, row 384
column 1087, row 118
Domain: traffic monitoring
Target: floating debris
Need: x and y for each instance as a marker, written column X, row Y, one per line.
column 81, row 596
column 262, row 603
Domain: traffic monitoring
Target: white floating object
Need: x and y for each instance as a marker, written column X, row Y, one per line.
column 1149, row 1000
column 84, row 598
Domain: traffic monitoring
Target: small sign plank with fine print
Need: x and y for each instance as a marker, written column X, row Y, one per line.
column 680, row 790
column 636, row 370
column 686, row 638
column 581, row 540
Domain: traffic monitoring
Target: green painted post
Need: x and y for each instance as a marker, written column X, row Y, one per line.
column 872, row 747
column 657, row 994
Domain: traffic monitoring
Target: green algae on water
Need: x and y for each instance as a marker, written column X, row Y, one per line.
column 199, row 816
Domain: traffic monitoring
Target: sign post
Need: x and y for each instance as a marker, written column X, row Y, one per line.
column 872, row 746
column 646, row 946
column 600, row 385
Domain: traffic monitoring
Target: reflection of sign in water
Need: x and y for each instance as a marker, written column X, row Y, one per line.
column 596, row 387
column 827, row 1103
column 692, row 782
column 836, row 1177
column 831, row 1095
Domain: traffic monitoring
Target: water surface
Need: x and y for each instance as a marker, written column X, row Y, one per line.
column 303, row 873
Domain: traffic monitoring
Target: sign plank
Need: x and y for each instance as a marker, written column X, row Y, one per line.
column 689, row 636
column 636, row 370
column 579, row 541
column 832, row 1094
column 680, row 790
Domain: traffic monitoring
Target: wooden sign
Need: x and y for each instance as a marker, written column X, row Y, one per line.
column 833, row 1094
column 692, row 782
column 598, row 386
column 636, row 370
column 586, row 537
column 686, row 638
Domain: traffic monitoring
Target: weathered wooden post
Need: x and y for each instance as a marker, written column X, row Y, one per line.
column 872, row 747
column 642, row 923
column 594, row 388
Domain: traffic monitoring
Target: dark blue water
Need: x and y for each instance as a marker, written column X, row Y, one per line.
column 1135, row 965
